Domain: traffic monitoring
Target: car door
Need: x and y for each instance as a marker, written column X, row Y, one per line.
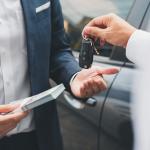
column 116, row 132
column 81, row 123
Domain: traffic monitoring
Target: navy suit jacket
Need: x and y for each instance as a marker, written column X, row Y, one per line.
column 49, row 56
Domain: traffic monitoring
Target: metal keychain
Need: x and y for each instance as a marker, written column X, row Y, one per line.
column 92, row 43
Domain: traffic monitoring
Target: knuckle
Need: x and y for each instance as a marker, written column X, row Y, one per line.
column 96, row 80
column 91, row 81
column 111, row 15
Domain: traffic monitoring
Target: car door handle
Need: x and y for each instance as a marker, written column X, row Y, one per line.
column 91, row 102
column 79, row 104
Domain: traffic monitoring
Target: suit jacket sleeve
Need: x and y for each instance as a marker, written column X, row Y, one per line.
column 63, row 64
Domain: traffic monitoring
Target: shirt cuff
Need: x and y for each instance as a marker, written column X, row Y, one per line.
column 72, row 78
column 137, row 49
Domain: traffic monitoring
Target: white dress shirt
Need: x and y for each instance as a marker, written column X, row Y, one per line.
column 14, row 78
column 138, row 51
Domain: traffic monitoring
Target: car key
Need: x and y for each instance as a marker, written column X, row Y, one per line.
column 86, row 53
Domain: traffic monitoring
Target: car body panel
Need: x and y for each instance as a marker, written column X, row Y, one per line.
column 116, row 126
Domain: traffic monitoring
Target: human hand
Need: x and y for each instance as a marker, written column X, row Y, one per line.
column 90, row 81
column 9, row 121
column 109, row 28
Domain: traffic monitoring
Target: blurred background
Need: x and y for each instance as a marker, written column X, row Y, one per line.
column 78, row 13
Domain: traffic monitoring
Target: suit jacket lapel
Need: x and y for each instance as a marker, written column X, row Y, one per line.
column 30, row 27
column 36, row 30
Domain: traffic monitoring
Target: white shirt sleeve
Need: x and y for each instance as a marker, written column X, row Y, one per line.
column 138, row 51
column 138, row 48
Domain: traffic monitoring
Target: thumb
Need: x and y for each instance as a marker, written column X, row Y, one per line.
column 94, row 31
column 7, row 108
column 108, row 71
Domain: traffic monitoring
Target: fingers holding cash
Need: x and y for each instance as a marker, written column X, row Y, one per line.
column 9, row 121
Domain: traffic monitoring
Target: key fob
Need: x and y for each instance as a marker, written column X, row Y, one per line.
column 86, row 54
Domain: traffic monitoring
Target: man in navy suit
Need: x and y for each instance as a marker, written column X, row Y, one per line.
column 33, row 49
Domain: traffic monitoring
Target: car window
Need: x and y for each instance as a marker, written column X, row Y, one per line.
column 78, row 13
column 146, row 21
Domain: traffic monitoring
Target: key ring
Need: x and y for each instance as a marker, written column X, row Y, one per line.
column 92, row 44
